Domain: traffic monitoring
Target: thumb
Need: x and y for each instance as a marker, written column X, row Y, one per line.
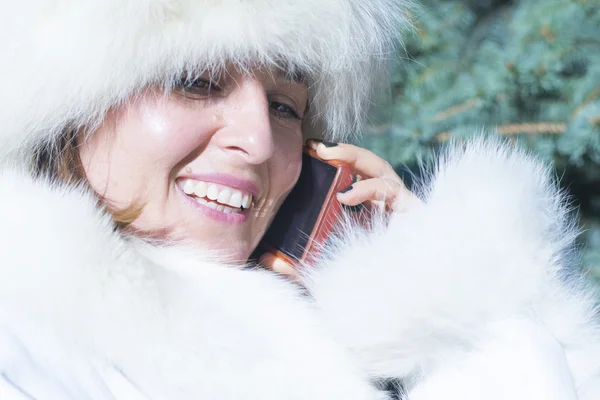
column 278, row 265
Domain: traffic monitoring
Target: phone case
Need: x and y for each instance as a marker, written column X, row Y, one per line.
column 341, row 176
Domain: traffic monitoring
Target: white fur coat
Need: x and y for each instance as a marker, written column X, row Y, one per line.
column 473, row 295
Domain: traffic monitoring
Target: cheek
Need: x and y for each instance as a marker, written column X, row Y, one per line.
column 138, row 145
column 286, row 166
column 166, row 132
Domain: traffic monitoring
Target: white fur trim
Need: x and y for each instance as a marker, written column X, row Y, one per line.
column 518, row 361
column 66, row 62
column 80, row 300
column 435, row 289
column 492, row 242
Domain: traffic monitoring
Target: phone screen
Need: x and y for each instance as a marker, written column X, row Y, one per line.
column 296, row 219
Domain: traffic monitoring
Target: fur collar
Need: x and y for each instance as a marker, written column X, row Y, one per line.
column 84, row 300
column 492, row 243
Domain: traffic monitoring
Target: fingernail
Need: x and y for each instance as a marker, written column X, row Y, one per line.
column 330, row 144
column 355, row 208
column 313, row 143
column 349, row 188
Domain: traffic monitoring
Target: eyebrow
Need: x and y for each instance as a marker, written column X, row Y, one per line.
column 292, row 77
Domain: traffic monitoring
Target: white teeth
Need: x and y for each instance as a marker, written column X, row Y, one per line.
column 229, row 199
column 201, row 188
column 212, row 192
column 224, row 196
column 235, row 200
column 212, row 205
column 246, row 201
column 188, row 187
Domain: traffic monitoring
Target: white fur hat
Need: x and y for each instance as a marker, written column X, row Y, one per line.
column 65, row 62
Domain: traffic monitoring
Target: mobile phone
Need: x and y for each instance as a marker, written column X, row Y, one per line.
column 309, row 214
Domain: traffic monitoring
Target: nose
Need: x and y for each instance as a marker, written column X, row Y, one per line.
column 246, row 131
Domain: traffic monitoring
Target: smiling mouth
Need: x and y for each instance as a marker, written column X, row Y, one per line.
column 220, row 198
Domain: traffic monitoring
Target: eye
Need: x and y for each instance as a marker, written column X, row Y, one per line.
column 284, row 111
column 198, row 87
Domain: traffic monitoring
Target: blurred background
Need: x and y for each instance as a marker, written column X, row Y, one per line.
column 528, row 70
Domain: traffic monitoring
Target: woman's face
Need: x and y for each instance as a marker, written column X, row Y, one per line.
column 210, row 163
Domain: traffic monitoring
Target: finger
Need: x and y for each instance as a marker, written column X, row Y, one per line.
column 387, row 191
column 362, row 161
column 374, row 189
column 278, row 265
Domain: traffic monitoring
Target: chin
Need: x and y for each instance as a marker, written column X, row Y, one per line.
column 226, row 246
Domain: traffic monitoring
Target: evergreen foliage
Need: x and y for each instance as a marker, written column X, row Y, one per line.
column 525, row 69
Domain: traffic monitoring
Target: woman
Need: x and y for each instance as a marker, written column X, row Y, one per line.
column 146, row 147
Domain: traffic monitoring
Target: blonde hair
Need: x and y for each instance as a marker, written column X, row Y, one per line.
column 61, row 162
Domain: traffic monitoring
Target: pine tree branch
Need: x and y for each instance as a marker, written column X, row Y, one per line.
column 454, row 110
column 528, row 128
column 532, row 128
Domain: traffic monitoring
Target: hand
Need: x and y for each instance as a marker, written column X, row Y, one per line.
column 378, row 183
column 275, row 264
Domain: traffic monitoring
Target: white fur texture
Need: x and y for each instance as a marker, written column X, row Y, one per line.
column 79, row 300
column 460, row 298
column 65, row 62
column 492, row 243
